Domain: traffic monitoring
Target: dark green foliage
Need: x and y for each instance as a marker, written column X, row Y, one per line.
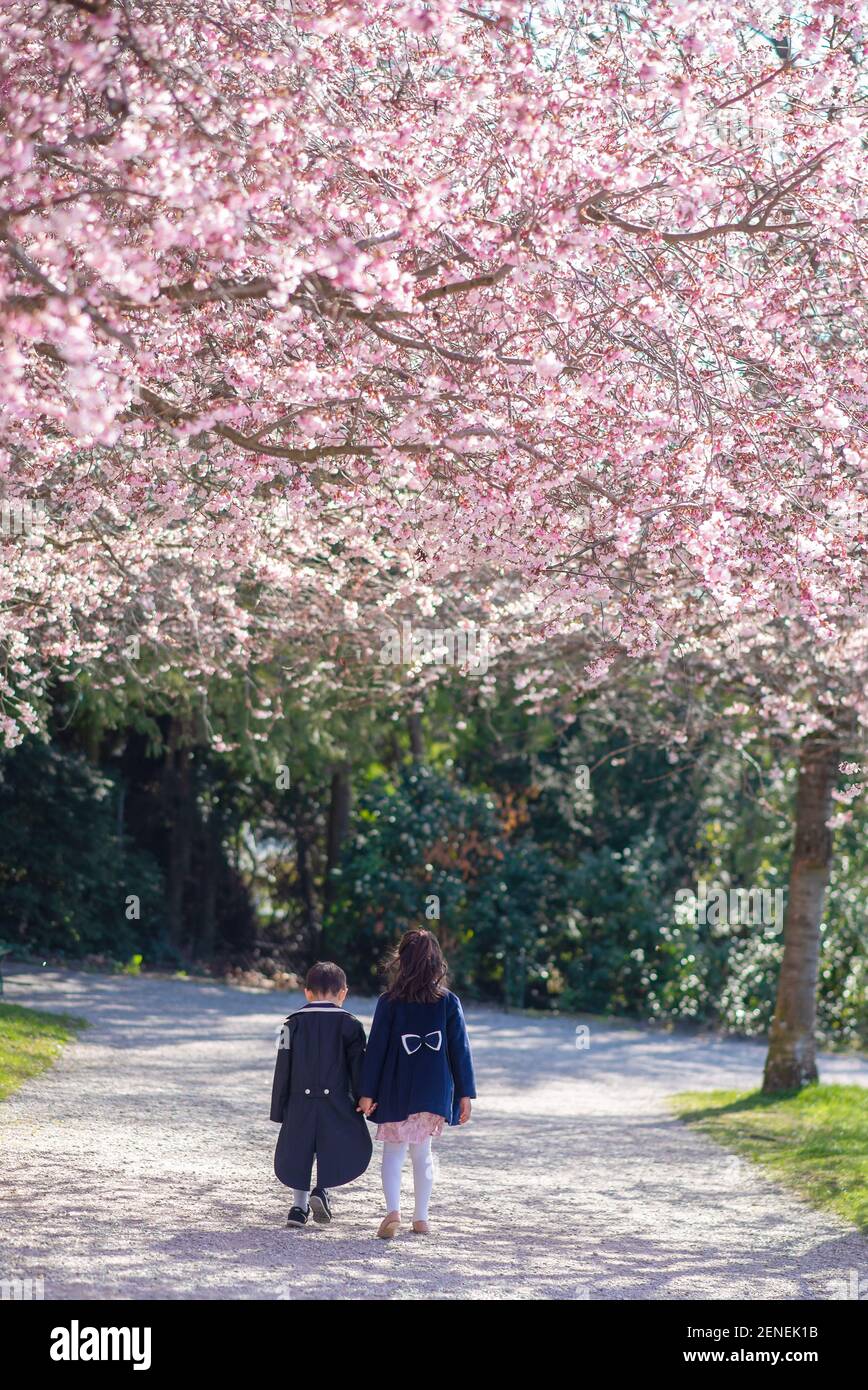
column 515, row 927
column 65, row 873
column 426, row 852
column 553, row 890
column 612, row 953
column 421, row 838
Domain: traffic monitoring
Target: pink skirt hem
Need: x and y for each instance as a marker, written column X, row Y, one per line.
column 416, row 1128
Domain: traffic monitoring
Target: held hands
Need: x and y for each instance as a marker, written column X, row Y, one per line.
column 367, row 1106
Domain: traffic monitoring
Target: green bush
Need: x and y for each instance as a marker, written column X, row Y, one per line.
column 420, row 838
column 65, row 873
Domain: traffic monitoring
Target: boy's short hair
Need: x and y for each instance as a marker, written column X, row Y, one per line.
column 325, row 978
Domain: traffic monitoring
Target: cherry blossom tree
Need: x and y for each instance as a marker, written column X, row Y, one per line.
column 772, row 681
column 294, row 295
column 316, row 315
column 763, row 680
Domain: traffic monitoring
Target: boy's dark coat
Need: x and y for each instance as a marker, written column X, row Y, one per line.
column 314, row 1098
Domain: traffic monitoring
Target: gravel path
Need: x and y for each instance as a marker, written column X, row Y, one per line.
column 140, row 1167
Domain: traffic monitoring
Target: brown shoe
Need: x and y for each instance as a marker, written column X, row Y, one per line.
column 389, row 1225
column 421, row 1228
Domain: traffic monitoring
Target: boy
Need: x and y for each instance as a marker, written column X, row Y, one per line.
column 315, row 1094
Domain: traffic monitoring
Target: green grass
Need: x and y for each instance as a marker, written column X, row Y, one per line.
column 814, row 1141
column 29, row 1042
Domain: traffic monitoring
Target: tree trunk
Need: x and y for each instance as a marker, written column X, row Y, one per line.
column 338, row 824
column 306, row 893
column 206, row 931
column 792, row 1062
column 417, row 746
column 178, row 804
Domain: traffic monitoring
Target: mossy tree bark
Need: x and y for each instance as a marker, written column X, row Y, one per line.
column 792, row 1056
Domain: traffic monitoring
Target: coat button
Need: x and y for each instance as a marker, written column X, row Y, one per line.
column 307, row 1090
column 326, row 1091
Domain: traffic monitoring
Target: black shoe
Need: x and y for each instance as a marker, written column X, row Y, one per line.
column 297, row 1217
column 319, row 1203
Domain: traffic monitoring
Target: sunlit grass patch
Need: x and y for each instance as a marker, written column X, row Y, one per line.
column 814, row 1140
column 30, row 1041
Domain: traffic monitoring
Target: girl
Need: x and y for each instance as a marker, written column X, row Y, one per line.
column 417, row 1073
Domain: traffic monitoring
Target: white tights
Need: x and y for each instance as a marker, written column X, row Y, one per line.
column 423, row 1175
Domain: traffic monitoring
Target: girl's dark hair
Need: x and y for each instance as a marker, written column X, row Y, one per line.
column 415, row 970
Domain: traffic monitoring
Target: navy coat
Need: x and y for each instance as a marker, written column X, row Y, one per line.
column 314, row 1098
column 418, row 1058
